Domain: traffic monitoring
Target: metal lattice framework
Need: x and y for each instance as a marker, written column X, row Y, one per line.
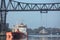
column 21, row 6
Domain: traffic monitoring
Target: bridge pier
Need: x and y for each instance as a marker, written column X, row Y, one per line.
column 3, row 15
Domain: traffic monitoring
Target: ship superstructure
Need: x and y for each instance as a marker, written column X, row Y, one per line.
column 19, row 32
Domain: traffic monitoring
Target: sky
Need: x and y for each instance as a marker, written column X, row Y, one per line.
column 35, row 19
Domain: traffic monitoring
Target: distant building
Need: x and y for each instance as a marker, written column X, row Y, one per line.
column 43, row 31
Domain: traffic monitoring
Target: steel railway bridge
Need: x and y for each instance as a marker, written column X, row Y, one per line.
column 12, row 5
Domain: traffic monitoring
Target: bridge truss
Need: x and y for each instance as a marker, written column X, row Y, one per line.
column 21, row 6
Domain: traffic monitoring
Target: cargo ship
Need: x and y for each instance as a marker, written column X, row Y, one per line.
column 19, row 32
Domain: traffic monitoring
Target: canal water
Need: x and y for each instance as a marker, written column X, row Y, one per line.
column 44, row 38
column 35, row 38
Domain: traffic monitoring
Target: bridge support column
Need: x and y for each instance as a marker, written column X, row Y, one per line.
column 3, row 15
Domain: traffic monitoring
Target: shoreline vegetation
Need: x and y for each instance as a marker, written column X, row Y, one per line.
column 43, row 31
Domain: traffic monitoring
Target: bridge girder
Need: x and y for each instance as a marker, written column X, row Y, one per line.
column 21, row 6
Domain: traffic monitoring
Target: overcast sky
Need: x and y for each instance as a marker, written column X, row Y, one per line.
column 35, row 19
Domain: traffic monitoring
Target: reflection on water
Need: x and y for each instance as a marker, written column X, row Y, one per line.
column 2, row 37
column 36, row 38
column 44, row 38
